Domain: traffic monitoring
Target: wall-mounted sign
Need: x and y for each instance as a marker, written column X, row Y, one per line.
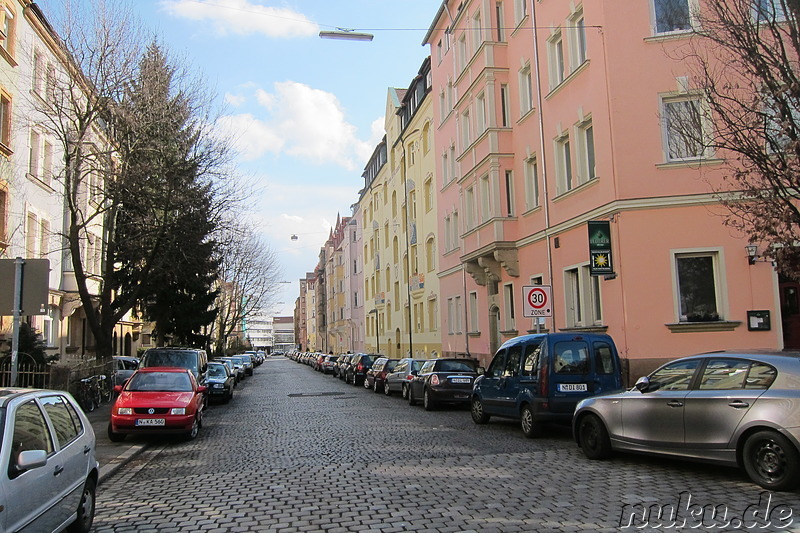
column 600, row 258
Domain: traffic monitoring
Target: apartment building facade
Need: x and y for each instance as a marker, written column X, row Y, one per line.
column 550, row 115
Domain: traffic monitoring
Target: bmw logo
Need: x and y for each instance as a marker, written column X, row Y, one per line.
column 151, row 411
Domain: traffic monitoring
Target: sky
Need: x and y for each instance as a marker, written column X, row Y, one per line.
column 305, row 112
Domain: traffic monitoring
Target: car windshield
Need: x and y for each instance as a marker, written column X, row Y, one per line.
column 390, row 364
column 417, row 364
column 456, row 366
column 176, row 358
column 159, row 381
column 217, row 371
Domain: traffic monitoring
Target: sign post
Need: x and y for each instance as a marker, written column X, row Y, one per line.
column 31, row 293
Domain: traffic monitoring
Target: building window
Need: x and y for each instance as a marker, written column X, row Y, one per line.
column 453, row 168
column 520, row 10
column 583, row 299
column 684, row 128
column 486, row 199
column 3, row 212
column 577, row 39
column 498, row 9
column 531, row 183
column 466, row 133
column 473, row 312
column 469, row 207
column 47, row 163
column 462, row 52
column 504, row 106
column 585, row 151
column 768, row 11
column 433, row 324
column 428, row 188
column 439, row 51
column 563, row 163
column 508, row 306
column 445, row 169
column 477, row 31
column 456, row 231
column 671, row 15
column 525, row 90
column 33, row 159
column 31, row 235
column 443, row 111
column 44, row 238
column 38, row 73
column 430, row 254
column 480, row 104
column 9, row 30
column 555, row 58
column 451, row 316
column 697, row 286
column 5, row 123
column 509, row 193
column 447, row 234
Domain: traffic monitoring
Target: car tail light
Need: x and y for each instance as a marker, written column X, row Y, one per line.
column 434, row 379
column 360, row 368
column 543, row 384
column 410, row 377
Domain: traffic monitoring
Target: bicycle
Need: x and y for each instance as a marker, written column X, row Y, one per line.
column 86, row 396
column 105, row 390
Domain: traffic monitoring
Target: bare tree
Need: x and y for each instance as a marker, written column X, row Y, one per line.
column 249, row 276
column 745, row 60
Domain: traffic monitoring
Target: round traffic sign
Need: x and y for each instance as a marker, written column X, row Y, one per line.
column 537, row 298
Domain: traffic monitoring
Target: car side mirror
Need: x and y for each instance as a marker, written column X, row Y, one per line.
column 481, row 371
column 202, row 388
column 118, row 388
column 642, row 384
column 30, row 459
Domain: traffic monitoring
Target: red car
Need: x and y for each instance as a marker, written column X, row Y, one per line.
column 162, row 400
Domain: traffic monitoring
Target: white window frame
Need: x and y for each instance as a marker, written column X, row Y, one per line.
column 525, row 90
column 509, row 178
column 520, row 11
column 669, row 133
column 691, row 5
column 563, row 163
column 486, row 199
column 508, row 307
column 720, row 294
column 505, row 110
column 585, row 153
column 469, row 206
column 480, row 114
column 583, row 304
column 473, row 312
column 577, row 39
column 532, row 198
column 466, row 130
column 556, row 65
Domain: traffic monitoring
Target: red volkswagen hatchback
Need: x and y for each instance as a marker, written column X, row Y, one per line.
column 160, row 400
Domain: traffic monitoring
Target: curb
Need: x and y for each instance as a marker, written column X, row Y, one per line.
column 119, row 461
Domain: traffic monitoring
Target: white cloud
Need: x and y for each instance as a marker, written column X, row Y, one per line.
column 302, row 122
column 243, row 18
column 235, row 100
column 251, row 137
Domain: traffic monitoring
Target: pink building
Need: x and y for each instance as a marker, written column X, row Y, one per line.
column 549, row 115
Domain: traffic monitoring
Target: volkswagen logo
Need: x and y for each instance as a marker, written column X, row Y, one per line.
column 151, row 411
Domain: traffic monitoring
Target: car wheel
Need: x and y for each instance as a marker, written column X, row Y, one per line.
column 113, row 436
column 530, row 428
column 375, row 387
column 593, row 438
column 386, row 390
column 366, row 385
column 192, row 434
column 83, row 522
column 771, row 461
column 411, row 400
column 477, row 412
column 427, row 402
column 405, row 391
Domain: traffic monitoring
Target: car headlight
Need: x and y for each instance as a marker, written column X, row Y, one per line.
column 217, row 385
column 125, row 411
column 177, row 411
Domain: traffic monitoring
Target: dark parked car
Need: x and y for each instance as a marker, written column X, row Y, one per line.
column 357, row 368
column 740, row 409
column 443, row 381
column 541, row 378
column 402, row 374
column 124, row 367
column 238, row 366
column 220, row 381
column 376, row 376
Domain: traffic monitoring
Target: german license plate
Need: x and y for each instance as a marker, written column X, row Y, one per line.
column 572, row 387
column 461, row 380
column 150, row 422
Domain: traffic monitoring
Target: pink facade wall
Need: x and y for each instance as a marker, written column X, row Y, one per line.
column 655, row 210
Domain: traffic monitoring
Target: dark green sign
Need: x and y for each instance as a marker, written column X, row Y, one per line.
column 600, row 256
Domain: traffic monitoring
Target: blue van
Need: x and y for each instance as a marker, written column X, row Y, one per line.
column 541, row 378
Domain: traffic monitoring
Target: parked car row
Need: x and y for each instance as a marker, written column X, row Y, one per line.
column 171, row 388
column 732, row 408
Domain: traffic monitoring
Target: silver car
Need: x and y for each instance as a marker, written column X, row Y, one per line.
column 740, row 409
column 47, row 460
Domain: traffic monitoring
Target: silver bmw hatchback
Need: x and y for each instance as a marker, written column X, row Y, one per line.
column 48, row 469
column 734, row 408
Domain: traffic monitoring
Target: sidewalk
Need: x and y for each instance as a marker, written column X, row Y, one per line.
column 111, row 455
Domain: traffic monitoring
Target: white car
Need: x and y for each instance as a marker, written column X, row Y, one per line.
column 48, row 467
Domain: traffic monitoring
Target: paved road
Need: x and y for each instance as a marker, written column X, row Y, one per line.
column 299, row 451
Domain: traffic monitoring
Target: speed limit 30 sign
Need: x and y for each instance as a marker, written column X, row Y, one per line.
column 536, row 301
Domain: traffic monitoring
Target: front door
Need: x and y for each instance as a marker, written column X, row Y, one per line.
column 790, row 313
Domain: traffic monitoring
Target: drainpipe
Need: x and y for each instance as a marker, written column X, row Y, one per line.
column 542, row 151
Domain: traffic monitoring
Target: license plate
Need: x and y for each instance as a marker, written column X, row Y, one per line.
column 572, row 387
column 150, row 422
column 461, row 380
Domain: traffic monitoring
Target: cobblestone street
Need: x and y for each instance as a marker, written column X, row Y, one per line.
column 300, row 451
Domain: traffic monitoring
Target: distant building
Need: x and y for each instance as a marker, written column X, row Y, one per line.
column 283, row 330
